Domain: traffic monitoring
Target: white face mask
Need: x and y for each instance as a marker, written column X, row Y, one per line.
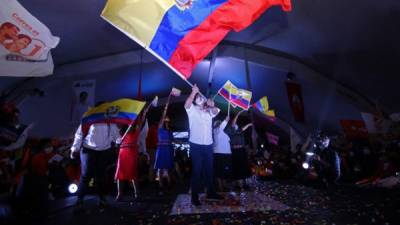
column 325, row 143
column 200, row 100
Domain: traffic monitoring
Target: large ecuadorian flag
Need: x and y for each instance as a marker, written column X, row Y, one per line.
column 182, row 32
column 238, row 97
column 122, row 111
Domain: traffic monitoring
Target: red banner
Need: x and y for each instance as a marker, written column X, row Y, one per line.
column 354, row 128
column 295, row 100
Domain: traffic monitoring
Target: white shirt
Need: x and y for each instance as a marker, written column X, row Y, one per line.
column 99, row 137
column 200, row 125
column 221, row 140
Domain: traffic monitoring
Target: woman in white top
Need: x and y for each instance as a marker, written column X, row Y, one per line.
column 222, row 154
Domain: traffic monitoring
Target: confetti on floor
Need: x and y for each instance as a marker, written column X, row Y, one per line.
column 233, row 202
column 271, row 202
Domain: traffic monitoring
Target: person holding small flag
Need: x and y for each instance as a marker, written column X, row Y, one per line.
column 128, row 157
column 241, row 168
column 164, row 161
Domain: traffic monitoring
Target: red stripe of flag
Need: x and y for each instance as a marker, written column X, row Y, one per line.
column 233, row 15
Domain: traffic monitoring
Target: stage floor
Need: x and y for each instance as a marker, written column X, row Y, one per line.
column 233, row 202
column 269, row 202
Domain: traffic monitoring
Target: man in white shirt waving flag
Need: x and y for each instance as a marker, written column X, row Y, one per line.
column 25, row 43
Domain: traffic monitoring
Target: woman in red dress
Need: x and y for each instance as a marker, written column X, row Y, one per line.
column 127, row 165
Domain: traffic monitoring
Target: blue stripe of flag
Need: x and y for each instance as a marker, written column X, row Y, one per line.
column 176, row 24
column 259, row 106
column 225, row 93
column 101, row 116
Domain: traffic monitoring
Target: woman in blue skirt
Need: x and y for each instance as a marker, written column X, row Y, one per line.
column 164, row 161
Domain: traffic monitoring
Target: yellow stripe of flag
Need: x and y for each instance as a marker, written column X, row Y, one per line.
column 124, row 105
column 138, row 18
column 265, row 105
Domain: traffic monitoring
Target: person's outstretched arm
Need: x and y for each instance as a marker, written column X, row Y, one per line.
column 234, row 121
column 247, row 126
column 190, row 99
column 160, row 124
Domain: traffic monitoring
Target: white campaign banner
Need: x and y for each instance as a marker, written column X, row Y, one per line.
column 25, row 42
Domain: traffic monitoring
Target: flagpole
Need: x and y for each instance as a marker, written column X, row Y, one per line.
column 229, row 108
column 169, row 97
column 248, row 82
column 131, row 124
column 229, row 102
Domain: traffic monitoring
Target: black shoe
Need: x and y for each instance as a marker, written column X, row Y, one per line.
column 214, row 196
column 102, row 205
column 195, row 202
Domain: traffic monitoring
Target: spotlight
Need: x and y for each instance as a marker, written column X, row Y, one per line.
column 262, row 146
column 306, row 165
column 310, row 153
column 72, row 188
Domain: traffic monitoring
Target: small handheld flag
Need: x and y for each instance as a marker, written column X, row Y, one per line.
column 175, row 92
column 154, row 103
column 236, row 96
column 263, row 106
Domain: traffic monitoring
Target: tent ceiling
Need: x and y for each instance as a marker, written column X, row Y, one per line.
column 354, row 42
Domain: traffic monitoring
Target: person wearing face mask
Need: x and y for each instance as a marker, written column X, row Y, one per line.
column 240, row 164
column 222, row 154
column 200, row 115
column 164, row 161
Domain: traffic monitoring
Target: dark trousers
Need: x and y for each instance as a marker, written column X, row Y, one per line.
column 202, row 165
column 32, row 194
column 93, row 165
